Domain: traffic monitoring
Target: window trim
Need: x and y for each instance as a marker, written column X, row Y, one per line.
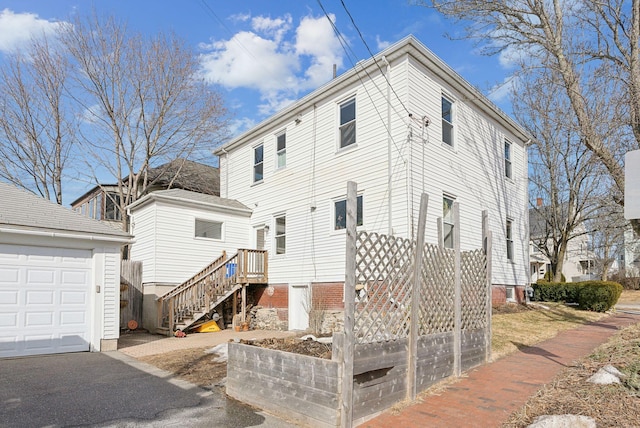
column 276, row 235
column 255, row 164
column 508, row 159
column 204, row 220
column 508, row 234
column 348, row 100
column 512, row 289
column 282, row 133
column 359, row 213
column 450, row 123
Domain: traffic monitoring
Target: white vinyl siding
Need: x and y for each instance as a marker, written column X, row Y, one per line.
column 171, row 253
column 315, row 174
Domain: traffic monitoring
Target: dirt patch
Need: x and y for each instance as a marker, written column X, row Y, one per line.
column 305, row 347
column 193, row 365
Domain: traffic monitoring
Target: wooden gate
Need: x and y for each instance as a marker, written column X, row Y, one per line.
column 130, row 293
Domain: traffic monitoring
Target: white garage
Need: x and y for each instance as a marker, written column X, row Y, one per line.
column 59, row 278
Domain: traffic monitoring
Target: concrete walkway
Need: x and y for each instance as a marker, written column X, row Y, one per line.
column 139, row 344
column 490, row 393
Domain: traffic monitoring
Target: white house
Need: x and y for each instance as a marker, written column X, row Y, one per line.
column 399, row 124
column 59, row 278
column 177, row 233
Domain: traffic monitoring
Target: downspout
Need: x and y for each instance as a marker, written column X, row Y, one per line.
column 527, row 236
column 389, row 142
column 226, row 173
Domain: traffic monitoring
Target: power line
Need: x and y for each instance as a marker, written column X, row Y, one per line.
column 209, row 10
column 371, row 54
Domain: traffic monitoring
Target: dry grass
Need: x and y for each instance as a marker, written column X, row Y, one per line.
column 193, row 365
column 630, row 297
column 533, row 325
column 610, row 405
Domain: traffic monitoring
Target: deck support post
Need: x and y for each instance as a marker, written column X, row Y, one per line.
column 244, row 303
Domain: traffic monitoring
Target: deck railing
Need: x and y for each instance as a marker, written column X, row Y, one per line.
column 204, row 289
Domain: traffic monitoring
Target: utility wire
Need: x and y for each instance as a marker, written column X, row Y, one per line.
column 372, row 55
column 209, row 10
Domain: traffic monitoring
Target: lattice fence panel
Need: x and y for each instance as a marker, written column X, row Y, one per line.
column 437, row 290
column 473, row 265
column 384, row 272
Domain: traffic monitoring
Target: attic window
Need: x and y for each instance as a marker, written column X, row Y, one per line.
column 208, row 229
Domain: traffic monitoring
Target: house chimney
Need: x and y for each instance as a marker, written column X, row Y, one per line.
column 539, row 202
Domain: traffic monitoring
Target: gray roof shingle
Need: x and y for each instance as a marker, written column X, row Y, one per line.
column 20, row 209
column 186, row 195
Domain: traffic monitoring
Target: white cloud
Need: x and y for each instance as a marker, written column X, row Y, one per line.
column 382, row 44
column 238, row 126
column 16, row 29
column 274, row 59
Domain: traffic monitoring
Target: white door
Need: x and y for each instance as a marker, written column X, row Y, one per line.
column 44, row 300
column 299, row 305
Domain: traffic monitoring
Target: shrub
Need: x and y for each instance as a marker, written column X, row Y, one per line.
column 599, row 296
column 544, row 291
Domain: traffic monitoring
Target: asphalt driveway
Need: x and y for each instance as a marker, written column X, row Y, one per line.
column 114, row 390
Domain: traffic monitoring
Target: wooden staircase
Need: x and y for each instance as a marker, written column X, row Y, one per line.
column 184, row 305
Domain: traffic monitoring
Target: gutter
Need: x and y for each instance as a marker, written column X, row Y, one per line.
column 102, row 238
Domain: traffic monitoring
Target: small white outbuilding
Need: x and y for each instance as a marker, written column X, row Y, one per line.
column 59, row 278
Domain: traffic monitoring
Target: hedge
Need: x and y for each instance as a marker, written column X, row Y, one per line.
column 599, row 296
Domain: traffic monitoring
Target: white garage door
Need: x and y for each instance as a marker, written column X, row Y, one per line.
column 44, row 300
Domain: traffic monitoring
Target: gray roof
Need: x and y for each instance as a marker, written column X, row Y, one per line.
column 186, row 196
column 22, row 210
column 188, row 175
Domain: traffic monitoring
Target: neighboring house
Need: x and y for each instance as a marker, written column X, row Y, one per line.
column 399, row 124
column 580, row 261
column 631, row 254
column 178, row 232
column 101, row 202
column 59, row 278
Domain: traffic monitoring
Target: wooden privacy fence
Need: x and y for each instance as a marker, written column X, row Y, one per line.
column 130, row 293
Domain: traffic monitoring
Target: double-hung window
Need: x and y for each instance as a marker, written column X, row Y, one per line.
column 340, row 213
column 281, row 234
column 507, row 159
column 258, row 163
column 509, row 236
column 447, row 221
column 281, row 150
column 447, row 121
column 348, row 123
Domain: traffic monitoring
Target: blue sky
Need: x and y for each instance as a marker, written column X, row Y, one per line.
column 263, row 54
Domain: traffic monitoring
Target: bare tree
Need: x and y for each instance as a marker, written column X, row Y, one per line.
column 563, row 175
column 607, row 229
column 143, row 102
column 593, row 46
column 37, row 126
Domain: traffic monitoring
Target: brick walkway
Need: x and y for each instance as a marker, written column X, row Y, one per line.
column 490, row 393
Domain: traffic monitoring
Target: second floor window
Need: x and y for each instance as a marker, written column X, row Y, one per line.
column 348, row 123
column 258, row 163
column 112, row 207
column 507, row 159
column 281, row 150
column 447, row 121
column 447, row 221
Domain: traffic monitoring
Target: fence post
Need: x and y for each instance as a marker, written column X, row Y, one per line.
column 457, row 331
column 488, row 250
column 415, row 300
column 346, row 418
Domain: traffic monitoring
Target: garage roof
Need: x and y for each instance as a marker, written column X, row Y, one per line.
column 21, row 210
